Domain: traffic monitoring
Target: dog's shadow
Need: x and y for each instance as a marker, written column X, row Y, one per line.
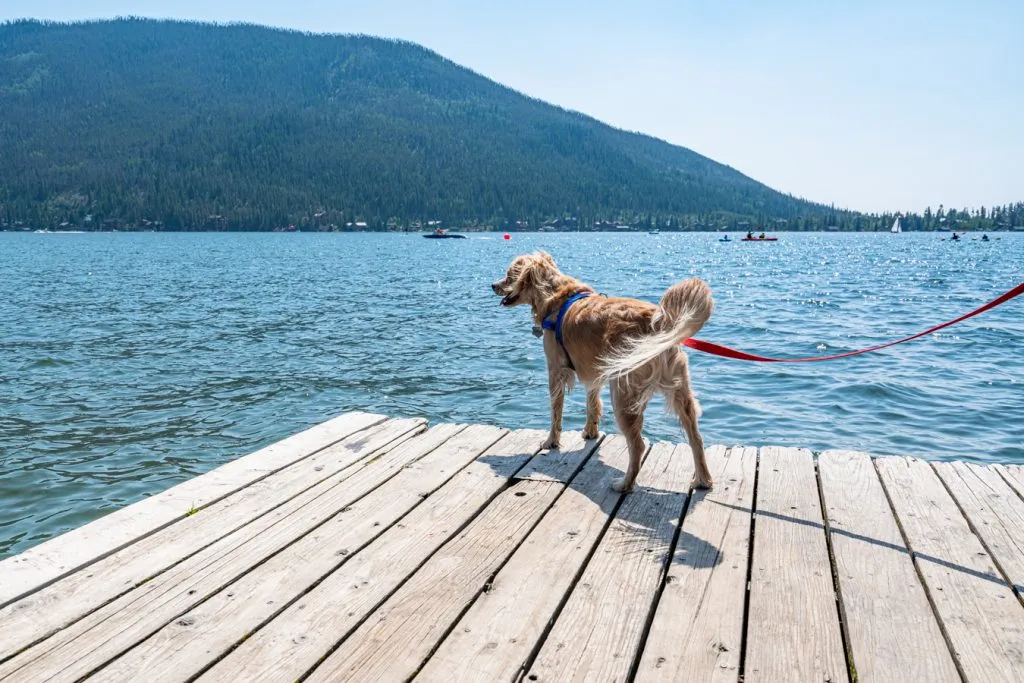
column 644, row 521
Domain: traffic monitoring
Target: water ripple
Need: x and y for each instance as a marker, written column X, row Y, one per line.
column 129, row 363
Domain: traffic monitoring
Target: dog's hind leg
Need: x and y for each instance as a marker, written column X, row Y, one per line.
column 686, row 407
column 630, row 419
column 556, row 389
column 594, row 408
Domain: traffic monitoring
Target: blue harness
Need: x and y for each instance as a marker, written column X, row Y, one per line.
column 556, row 324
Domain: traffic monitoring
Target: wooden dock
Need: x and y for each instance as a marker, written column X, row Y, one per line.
column 375, row 549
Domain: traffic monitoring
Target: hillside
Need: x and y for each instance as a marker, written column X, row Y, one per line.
column 199, row 126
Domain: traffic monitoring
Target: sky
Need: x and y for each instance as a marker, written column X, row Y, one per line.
column 874, row 106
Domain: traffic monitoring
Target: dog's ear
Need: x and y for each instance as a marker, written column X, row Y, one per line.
column 536, row 270
column 546, row 257
column 525, row 280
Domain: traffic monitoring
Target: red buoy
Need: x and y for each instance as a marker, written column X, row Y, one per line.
column 508, row 236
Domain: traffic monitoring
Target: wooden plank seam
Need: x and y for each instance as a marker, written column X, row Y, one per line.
column 535, row 651
column 972, row 512
column 920, row 574
column 490, row 580
column 352, row 553
column 665, row 566
column 225, row 494
column 493, row 477
column 851, row 668
column 391, row 443
column 509, row 481
column 1017, row 486
column 97, row 603
column 750, row 568
column 697, row 629
column 599, row 629
column 974, row 530
column 793, row 632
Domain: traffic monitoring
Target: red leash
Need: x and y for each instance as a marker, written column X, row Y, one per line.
column 726, row 352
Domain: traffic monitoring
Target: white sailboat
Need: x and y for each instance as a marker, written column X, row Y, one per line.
column 896, row 225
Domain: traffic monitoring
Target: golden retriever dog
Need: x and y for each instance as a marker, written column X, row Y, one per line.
column 631, row 344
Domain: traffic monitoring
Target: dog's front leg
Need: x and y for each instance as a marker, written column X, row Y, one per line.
column 556, row 389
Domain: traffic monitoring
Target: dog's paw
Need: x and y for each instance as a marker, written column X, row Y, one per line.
column 591, row 432
column 551, row 443
column 619, row 485
column 703, row 482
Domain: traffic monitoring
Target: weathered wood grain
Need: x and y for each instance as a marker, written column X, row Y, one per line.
column 597, row 634
column 199, row 637
column 982, row 617
column 697, row 631
column 892, row 632
column 397, row 638
column 57, row 557
column 547, row 466
column 496, row 636
column 1014, row 476
column 366, row 550
column 102, row 634
column 301, row 635
column 63, row 602
column 994, row 509
column 793, row 631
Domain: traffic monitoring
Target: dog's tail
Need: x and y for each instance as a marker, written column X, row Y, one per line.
column 682, row 311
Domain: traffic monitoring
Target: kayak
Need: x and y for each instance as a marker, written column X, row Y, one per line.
column 760, row 239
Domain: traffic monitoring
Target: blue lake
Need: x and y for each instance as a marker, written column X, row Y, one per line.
column 130, row 362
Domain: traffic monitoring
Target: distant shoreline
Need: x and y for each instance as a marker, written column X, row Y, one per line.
column 1017, row 229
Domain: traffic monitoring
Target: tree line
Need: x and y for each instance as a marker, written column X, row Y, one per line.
column 159, row 125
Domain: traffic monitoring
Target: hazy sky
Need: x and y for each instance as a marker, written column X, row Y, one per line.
column 892, row 105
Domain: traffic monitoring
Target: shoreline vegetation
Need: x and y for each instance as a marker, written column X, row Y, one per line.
column 139, row 125
column 1009, row 218
column 481, row 230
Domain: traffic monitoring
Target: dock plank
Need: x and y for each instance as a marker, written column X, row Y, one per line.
column 1014, row 476
column 343, row 600
column 892, row 632
column 793, row 631
column 41, row 565
column 198, row 638
column 376, row 549
column 495, row 637
column 399, row 636
column 982, row 617
column 697, row 631
column 104, row 633
column 994, row 509
column 597, row 634
column 61, row 603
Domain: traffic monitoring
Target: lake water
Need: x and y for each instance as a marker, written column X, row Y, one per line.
column 131, row 362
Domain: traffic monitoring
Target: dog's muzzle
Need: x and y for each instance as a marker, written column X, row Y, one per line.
column 499, row 289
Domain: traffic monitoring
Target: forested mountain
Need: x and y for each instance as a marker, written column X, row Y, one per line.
column 141, row 123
